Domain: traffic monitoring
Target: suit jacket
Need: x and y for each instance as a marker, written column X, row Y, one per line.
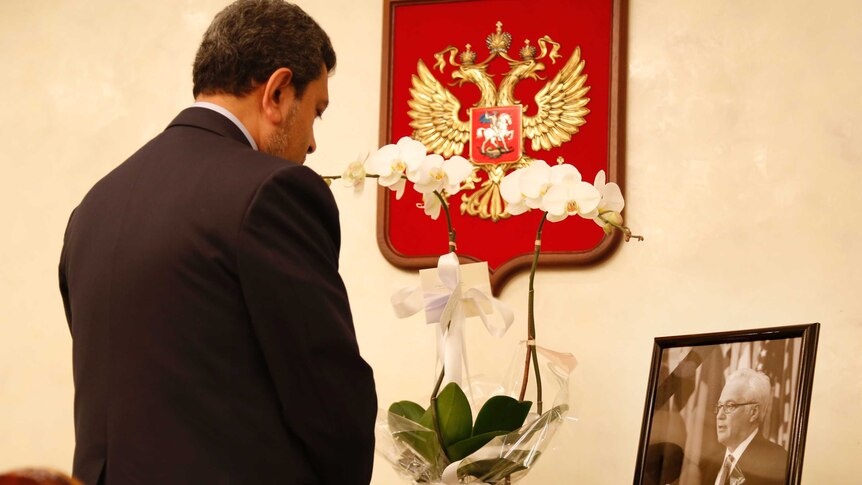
column 762, row 463
column 212, row 336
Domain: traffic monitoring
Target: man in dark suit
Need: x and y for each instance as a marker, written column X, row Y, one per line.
column 747, row 455
column 212, row 336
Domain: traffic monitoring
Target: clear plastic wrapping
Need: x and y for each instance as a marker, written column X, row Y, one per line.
column 415, row 452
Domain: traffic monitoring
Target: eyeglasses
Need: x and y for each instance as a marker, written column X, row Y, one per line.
column 729, row 407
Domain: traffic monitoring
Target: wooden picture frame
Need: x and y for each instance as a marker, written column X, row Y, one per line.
column 686, row 421
column 562, row 246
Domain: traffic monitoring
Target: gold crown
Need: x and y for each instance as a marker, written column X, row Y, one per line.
column 499, row 42
column 527, row 52
column 468, row 56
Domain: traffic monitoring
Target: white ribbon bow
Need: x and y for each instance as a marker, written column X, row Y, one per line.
column 448, row 306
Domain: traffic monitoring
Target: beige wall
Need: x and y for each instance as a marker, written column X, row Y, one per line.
column 744, row 171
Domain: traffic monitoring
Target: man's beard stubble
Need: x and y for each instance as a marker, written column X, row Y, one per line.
column 278, row 143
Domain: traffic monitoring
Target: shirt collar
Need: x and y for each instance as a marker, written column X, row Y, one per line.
column 227, row 114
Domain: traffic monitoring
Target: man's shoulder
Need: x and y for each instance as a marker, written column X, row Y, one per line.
column 286, row 181
column 226, row 152
column 186, row 146
column 764, row 462
column 767, row 449
column 200, row 166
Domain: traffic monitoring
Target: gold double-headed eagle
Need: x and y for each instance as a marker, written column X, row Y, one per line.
column 561, row 108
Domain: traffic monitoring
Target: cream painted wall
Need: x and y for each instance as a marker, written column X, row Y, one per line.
column 744, row 165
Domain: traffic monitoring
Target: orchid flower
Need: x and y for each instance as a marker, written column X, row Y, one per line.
column 607, row 214
column 431, row 205
column 524, row 188
column 535, row 182
column 435, row 174
column 510, row 190
column 568, row 194
column 392, row 162
column 354, row 176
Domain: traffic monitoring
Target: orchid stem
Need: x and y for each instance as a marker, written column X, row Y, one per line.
column 627, row 233
column 336, row 177
column 434, row 413
column 445, row 205
column 531, row 325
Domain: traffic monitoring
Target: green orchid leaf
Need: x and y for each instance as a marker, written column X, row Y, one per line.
column 497, row 469
column 411, row 424
column 454, row 414
column 501, row 413
column 427, row 419
column 465, row 448
column 421, row 442
column 407, row 409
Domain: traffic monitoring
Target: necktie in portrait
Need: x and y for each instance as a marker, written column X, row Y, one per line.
column 724, row 475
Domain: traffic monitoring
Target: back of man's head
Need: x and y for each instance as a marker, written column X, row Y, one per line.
column 250, row 39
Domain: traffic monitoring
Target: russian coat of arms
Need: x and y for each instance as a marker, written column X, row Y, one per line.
column 498, row 126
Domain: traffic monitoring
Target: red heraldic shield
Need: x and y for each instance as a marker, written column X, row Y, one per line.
column 496, row 134
column 502, row 82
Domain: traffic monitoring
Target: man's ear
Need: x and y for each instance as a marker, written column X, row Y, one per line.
column 754, row 417
column 278, row 95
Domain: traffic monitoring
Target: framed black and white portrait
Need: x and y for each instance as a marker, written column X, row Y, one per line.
column 728, row 408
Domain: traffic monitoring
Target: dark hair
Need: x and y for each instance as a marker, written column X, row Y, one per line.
column 251, row 39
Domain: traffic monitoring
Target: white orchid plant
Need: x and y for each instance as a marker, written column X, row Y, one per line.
column 437, row 440
column 559, row 192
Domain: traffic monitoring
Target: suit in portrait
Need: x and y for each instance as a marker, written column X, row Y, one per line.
column 762, row 463
column 212, row 336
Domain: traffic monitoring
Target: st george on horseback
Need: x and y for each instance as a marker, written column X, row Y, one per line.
column 496, row 134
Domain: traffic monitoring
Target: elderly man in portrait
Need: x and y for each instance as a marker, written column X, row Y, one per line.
column 749, row 458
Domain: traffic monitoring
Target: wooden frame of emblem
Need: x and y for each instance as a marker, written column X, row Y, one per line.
column 616, row 151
